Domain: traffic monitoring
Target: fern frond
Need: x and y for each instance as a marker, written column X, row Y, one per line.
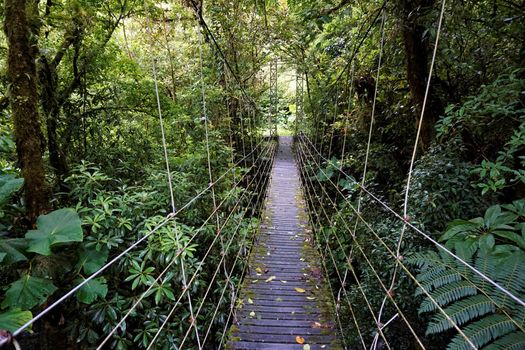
column 430, row 272
column 440, row 279
column 447, row 294
column 510, row 276
column 461, row 312
column 482, row 332
column 512, row 341
column 422, row 259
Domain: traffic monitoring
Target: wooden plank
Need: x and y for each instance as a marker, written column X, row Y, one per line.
column 282, row 329
column 285, row 338
column 272, row 346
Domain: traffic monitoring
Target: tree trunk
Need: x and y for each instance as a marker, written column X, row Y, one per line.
column 24, row 104
column 416, row 51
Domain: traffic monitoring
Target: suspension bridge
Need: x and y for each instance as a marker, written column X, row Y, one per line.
column 284, row 301
column 275, row 285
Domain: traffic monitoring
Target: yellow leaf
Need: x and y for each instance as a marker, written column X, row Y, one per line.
column 309, row 298
column 306, row 347
column 250, row 301
column 299, row 339
column 269, row 279
column 299, row 290
column 252, row 314
column 258, row 269
column 283, row 281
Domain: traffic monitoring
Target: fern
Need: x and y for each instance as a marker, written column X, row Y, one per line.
column 512, row 341
column 488, row 317
column 512, row 278
column 449, row 293
column 482, row 332
column 441, row 279
column 461, row 312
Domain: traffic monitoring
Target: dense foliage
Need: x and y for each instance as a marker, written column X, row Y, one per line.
column 83, row 157
column 469, row 158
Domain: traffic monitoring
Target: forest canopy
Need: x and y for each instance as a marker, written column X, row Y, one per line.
column 129, row 121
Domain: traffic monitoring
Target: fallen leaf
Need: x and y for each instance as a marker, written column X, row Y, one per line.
column 317, row 325
column 306, row 347
column 283, row 281
column 255, row 281
column 309, row 298
column 252, row 314
column 300, row 290
column 250, row 301
column 269, row 279
column 299, row 339
column 258, row 270
column 279, row 299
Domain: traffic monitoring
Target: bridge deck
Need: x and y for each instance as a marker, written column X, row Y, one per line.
column 284, row 299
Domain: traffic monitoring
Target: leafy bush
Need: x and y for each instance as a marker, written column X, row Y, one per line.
column 441, row 188
column 494, row 245
column 491, row 125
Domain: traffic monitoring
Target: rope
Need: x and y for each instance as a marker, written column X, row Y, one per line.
column 412, row 160
column 243, row 272
column 367, row 301
column 126, row 251
column 265, row 186
column 336, row 305
column 236, row 230
column 398, row 259
column 179, row 253
column 210, row 176
column 154, row 69
column 159, row 108
column 425, row 235
column 197, row 271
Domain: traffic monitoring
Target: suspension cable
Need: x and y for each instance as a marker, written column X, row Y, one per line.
column 179, row 253
column 302, row 156
column 223, row 257
column 398, row 259
column 423, row 234
column 243, row 271
column 197, row 272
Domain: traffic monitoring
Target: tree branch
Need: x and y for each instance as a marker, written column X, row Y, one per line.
column 331, row 10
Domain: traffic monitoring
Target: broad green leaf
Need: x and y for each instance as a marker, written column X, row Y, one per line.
column 12, row 319
column 28, row 292
column 9, row 185
column 91, row 291
column 91, row 259
column 486, row 241
column 59, row 226
column 6, row 144
column 512, row 236
column 491, row 215
column 458, row 226
column 11, row 247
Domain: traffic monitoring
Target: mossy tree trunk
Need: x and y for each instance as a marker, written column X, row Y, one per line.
column 417, row 52
column 24, row 101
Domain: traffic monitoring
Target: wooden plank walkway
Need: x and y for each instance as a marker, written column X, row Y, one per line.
column 284, row 300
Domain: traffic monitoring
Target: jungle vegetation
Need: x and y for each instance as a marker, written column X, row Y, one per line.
column 83, row 176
